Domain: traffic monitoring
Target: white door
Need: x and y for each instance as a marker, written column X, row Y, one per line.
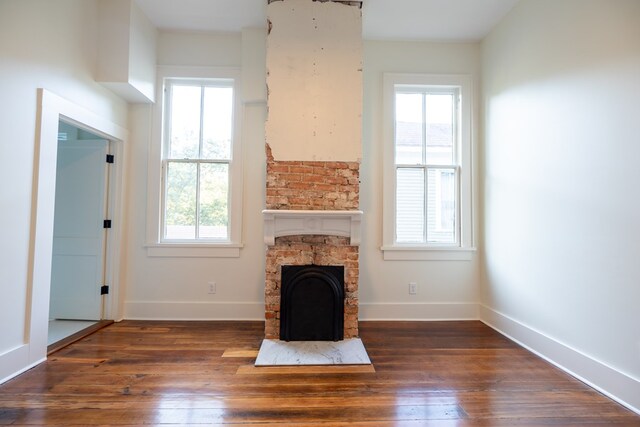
column 79, row 235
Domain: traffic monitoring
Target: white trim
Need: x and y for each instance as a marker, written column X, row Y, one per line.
column 52, row 109
column 282, row 222
column 418, row 311
column 465, row 159
column 426, row 253
column 154, row 170
column 194, row 310
column 12, row 362
column 609, row 381
column 194, row 250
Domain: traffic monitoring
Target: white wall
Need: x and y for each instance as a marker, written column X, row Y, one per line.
column 176, row 288
column 314, row 62
column 142, row 53
column 50, row 45
column 447, row 289
column 199, row 49
column 562, row 114
column 126, row 50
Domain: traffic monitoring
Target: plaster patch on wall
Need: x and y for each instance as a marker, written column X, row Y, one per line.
column 314, row 62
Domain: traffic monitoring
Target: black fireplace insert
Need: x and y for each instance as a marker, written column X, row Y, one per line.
column 312, row 303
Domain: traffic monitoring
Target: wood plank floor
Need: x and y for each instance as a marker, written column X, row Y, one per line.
column 426, row 373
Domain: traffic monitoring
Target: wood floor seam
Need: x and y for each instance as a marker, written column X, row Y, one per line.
column 447, row 374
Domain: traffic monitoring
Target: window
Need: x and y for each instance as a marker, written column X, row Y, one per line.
column 197, row 145
column 427, row 205
column 197, row 177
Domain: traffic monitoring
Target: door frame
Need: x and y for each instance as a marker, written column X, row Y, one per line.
column 52, row 109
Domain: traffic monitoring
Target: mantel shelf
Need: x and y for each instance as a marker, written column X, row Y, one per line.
column 281, row 222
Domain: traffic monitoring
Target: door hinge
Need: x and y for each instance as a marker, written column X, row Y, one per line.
column 110, row 158
column 107, row 223
column 104, row 290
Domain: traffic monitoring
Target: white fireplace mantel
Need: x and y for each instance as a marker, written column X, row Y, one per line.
column 280, row 222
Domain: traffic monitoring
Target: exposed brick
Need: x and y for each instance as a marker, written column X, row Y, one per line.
column 309, row 185
column 322, row 186
column 324, row 170
column 287, row 192
column 299, row 186
column 312, row 178
column 290, row 177
column 301, row 169
column 338, row 165
column 350, row 309
column 337, row 180
column 299, row 201
column 350, row 333
column 351, row 324
column 314, row 164
column 272, row 300
column 277, row 168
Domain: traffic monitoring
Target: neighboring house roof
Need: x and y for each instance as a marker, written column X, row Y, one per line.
column 410, row 134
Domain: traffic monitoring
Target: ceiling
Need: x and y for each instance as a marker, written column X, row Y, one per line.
column 451, row 20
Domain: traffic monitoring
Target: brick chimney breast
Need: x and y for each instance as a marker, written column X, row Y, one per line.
column 314, row 137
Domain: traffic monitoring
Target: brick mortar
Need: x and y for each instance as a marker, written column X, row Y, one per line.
column 307, row 250
column 312, row 185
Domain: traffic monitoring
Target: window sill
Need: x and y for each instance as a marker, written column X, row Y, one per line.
column 426, row 253
column 194, row 250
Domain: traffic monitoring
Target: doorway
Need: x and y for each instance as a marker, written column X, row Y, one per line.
column 51, row 109
column 78, row 266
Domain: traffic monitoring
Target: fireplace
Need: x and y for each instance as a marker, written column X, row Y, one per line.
column 312, row 303
column 323, row 232
column 313, row 151
column 310, row 250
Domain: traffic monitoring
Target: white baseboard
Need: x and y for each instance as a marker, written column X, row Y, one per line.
column 14, row 362
column 607, row 380
column 193, row 310
column 418, row 311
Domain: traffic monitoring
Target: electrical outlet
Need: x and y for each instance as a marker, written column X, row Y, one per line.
column 413, row 288
column 212, row 287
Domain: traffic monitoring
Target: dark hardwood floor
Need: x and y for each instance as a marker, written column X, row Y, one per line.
column 425, row 373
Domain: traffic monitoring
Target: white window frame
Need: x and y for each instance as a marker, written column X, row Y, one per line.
column 156, row 245
column 464, row 246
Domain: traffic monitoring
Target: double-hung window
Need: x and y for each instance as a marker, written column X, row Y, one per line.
column 427, row 167
column 199, row 197
column 197, row 144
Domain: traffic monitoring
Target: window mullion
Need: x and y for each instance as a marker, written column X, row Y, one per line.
column 456, row 127
column 166, row 146
column 163, row 201
column 165, row 155
column 200, row 150
column 201, row 138
column 458, row 228
column 424, row 128
column 197, row 199
column 424, row 167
